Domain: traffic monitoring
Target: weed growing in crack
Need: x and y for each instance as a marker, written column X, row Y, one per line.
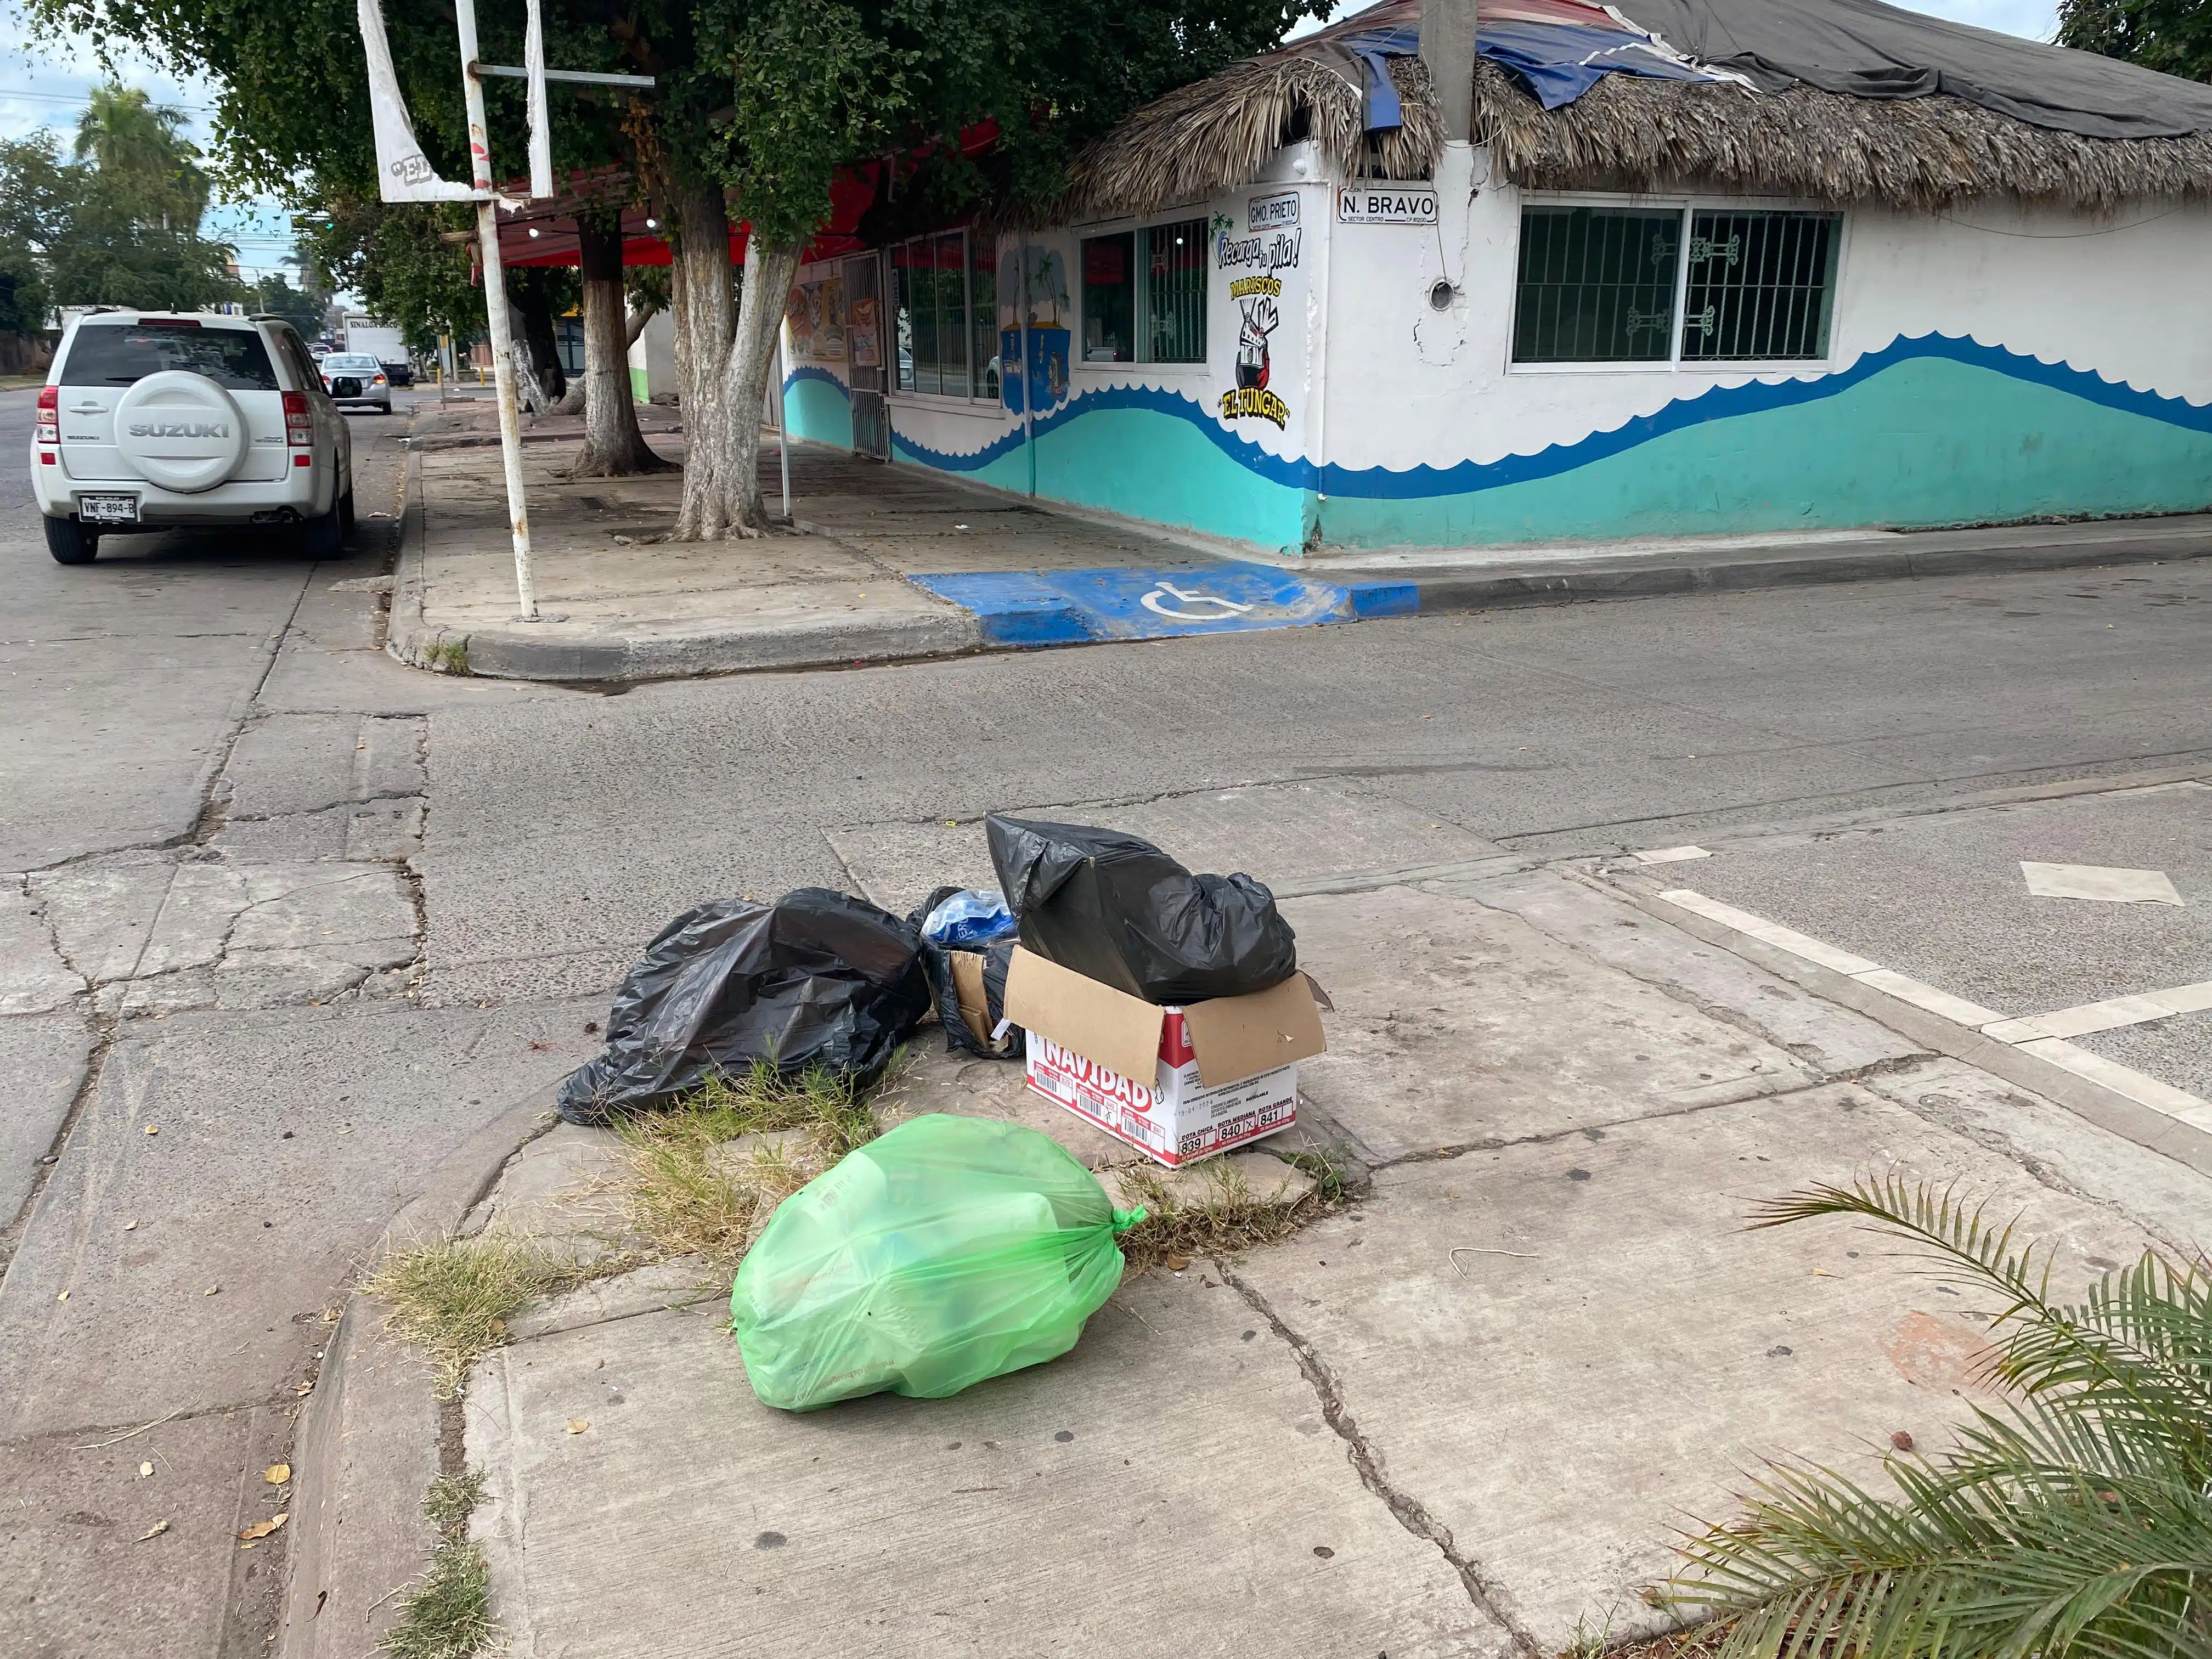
column 454, row 1298
column 448, row 1616
column 1230, row 1217
column 692, row 1192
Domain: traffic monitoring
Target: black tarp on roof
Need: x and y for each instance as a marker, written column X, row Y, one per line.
column 1867, row 50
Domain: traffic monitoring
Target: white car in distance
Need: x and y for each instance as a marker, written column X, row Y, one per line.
column 356, row 380
column 154, row 420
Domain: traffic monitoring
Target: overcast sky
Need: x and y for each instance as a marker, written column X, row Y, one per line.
column 49, row 88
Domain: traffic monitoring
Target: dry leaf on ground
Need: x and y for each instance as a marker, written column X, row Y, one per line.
column 578, row 1425
column 277, row 1474
column 153, row 1531
column 261, row 1529
column 145, row 1469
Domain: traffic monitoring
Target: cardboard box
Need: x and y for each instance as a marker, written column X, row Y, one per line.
column 1214, row 1076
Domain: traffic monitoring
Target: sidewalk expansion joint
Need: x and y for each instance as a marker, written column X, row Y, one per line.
column 1612, row 1125
column 1488, row 1597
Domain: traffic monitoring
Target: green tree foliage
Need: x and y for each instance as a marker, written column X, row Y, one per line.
column 119, row 224
column 275, row 296
column 32, row 193
column 409, row 261
column 2076, row 1522
column 2172, row 36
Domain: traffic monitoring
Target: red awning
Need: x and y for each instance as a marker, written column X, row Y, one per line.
column 544, row 232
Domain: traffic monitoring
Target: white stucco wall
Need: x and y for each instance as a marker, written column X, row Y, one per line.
column 653, row 360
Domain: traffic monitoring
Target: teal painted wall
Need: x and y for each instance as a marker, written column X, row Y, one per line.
column 1926, row 441
column 817, row 407
column 1929, row 430
column 1145, row 463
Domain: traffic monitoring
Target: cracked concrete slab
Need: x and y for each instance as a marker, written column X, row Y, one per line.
column 1458, row 1024
column 101, row 911
column 43, row 1057
column 357, row 831
column 286, row 1139
column 294, row 763
column 1608, row 1346
column 235, row 936
column 1173, row 1474
column 79, row 1573
column 33, row 979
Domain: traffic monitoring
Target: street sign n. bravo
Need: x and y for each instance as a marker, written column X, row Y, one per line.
column 1386, row 204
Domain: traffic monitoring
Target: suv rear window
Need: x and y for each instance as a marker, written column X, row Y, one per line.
column 123, row 353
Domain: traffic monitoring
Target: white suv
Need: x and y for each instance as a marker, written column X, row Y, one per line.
column 152, row 419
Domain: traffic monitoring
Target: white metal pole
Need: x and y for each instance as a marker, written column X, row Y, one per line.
column 494, row 281
column 1028, row 423
column 783, row 409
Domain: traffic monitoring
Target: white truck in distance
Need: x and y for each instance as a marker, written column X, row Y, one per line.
column 382, row 342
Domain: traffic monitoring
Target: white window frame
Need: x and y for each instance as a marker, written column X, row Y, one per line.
column 1686, row 206
column 1203, row 366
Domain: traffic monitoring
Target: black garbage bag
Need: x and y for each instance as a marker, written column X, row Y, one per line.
column 1121, row 911
column 818, row 978
column 960, row 1036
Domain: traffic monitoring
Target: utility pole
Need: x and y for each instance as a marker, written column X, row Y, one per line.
column 494, row 282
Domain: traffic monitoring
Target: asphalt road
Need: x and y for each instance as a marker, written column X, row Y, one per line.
column 315, row 917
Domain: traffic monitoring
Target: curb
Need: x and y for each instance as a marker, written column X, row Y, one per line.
column 556, row 651
column 1925, row 554
column 367, row 1446
column 547, row 650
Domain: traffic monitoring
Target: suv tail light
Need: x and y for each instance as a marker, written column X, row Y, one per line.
column 50, row 402
column 299, row 430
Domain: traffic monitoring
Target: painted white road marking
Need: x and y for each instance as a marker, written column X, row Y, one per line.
column 2100, row 882
column 1797, row 944
column 2178, row 1103
column 2038, row 1035
column 2107, row 1016
column 1671, row 854
column 1228, row 607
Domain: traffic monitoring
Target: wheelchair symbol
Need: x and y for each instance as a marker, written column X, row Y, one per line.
column 1226, row 608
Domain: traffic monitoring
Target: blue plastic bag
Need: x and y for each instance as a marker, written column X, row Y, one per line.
column 972, row 917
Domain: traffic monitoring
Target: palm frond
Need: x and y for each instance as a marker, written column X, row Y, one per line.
column 2077, row 1521
column 2139, row 1345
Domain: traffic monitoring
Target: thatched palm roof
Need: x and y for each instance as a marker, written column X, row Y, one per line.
column 1915, row 153
column 1218, row 132
column 1626, row 133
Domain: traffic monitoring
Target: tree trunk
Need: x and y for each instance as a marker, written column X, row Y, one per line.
column 538, row 342
column 722, row 371
column 770, row 270
column 638, row 320
column 613, row 446
column 699, row 292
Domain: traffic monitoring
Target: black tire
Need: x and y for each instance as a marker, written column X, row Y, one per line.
column 71, row 541
column 345, row 514
column 324, row 538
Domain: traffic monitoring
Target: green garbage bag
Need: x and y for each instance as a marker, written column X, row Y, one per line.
column 949, row 1250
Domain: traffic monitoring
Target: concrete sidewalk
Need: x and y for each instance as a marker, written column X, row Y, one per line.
column 887, row 563
column 1461, row 1412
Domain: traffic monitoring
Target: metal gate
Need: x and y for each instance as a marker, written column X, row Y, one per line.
column 864, row 322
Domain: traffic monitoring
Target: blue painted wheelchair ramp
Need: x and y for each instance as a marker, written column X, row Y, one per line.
column 1069, row 607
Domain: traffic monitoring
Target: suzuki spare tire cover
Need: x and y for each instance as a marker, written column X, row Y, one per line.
column 181, row 431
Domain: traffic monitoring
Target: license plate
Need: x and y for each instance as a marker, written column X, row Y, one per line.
column 108, row 509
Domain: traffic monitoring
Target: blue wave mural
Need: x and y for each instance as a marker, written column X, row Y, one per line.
column 1714, row 404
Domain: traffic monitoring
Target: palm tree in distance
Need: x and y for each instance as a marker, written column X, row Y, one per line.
column 144, row 157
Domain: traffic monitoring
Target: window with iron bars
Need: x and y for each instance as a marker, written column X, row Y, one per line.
column 1656, row 285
